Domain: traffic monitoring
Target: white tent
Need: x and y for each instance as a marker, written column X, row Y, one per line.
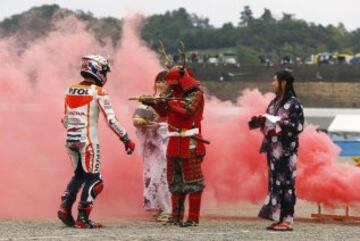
column 345, row 124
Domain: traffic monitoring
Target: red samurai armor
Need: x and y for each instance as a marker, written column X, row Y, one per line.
column 184, row 108
column 184, row 116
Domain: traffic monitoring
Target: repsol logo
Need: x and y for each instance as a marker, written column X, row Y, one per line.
column 76, row 91
column 97, row 158
column 76, row 113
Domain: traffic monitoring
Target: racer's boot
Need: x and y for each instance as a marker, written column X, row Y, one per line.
column 83, row 221
column 64, row 212
column 67, row 200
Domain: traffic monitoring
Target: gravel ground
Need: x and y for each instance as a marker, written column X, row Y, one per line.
column 241, row 226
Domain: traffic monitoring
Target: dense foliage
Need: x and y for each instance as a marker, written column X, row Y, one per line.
column 251, row 37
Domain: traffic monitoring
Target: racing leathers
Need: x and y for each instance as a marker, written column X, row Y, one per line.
column 83, row 103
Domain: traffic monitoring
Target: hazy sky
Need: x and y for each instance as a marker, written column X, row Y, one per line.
column 218, row 11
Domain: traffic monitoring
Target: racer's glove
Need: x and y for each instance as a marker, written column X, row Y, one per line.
column 129, row 145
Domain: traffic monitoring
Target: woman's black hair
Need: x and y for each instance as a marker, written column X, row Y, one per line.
column 289, row 79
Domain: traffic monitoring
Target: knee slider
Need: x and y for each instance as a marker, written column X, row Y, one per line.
column 97, row 188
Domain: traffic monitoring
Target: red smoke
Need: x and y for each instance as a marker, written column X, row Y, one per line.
column 35, row 167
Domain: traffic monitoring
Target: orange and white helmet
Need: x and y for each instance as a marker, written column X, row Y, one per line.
column 95, row 66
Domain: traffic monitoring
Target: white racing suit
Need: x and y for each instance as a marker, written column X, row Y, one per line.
column 83, row 104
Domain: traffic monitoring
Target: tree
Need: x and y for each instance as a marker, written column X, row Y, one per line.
column 267, row 17
column 199, row 21
column 247, row 55
column 287, row 17
column 354, row 41
column 246, row 16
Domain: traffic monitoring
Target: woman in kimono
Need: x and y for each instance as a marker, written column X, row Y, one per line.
column 152, row 135
column 281, row 127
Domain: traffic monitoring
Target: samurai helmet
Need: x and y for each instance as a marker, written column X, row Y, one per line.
column 179, row 75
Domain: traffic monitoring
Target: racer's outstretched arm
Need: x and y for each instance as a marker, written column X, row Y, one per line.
column 108, row 112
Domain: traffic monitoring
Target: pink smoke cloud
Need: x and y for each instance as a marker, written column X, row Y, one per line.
column 35, row 166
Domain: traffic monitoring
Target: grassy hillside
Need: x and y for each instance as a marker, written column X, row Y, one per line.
column 37, row 22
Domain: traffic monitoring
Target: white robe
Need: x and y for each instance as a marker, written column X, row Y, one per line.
column 153, row 145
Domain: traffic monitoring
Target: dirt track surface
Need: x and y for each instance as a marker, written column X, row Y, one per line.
column 240, row 224
column 210, row 229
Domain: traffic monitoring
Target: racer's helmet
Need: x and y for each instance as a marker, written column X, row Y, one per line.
column 96, row 67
